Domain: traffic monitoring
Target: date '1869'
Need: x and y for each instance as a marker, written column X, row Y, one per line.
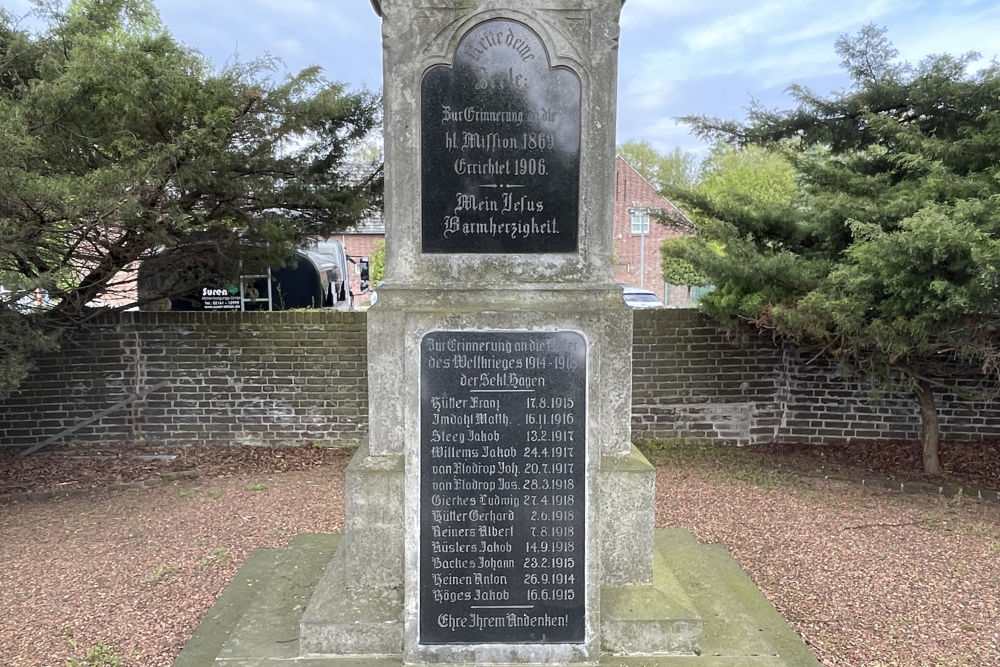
column 500, row 147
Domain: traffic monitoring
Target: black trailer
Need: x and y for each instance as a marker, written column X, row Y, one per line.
column 204, row 277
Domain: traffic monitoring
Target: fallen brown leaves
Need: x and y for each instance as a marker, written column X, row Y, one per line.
column 867, row 577
column 132, row 572
column 88, row 466
column 969, row 464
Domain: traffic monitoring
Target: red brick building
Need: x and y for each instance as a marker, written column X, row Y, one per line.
column 639, row 235
column 359, row 244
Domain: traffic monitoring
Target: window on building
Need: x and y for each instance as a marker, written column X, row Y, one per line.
column 698, row 292
column 684, row 296
column 640, row 221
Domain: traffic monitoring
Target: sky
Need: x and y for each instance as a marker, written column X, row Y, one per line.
column 677, row 57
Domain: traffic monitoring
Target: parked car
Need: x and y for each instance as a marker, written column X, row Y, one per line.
column 639, row 297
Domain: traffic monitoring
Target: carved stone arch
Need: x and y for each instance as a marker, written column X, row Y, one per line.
column 442, row 47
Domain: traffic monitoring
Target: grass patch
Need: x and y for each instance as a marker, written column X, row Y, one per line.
column 258, row 487
column 958, row 569
column 196, row 493
column 728, row 463
column 161, row 573
column 218, row 556
column 98, row 655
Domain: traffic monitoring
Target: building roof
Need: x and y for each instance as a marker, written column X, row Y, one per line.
column 374, row 223
column 662, row 203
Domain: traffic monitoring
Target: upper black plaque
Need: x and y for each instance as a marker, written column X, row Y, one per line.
column 500, row 147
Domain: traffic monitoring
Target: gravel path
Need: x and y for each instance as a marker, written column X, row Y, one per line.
column 867, row 577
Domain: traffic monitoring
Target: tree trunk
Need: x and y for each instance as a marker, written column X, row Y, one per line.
column 930, row 435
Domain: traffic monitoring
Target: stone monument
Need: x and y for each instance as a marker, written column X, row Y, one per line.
column 499, row 512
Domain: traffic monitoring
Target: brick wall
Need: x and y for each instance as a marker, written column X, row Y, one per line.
column 301, row 377
column 293, row 377
column 692, row 380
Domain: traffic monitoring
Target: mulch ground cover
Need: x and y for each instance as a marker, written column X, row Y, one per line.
column 965, row 464
column 69, row 468
column 973, row 465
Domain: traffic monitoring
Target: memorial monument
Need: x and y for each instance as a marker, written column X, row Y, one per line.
column 499, row 512
column 499, row 505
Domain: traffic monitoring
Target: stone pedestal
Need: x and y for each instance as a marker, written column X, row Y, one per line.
column 367, row 601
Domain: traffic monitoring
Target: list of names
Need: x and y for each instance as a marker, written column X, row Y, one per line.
column 502, row 475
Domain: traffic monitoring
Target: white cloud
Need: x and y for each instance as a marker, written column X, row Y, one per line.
column 727, row 31
column 954, row 34
column 644, row 12
column 667, row 134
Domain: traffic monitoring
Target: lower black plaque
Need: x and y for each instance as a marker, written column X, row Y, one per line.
column 502, row 487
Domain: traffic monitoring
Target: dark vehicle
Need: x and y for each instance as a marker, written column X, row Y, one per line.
column 206, row 277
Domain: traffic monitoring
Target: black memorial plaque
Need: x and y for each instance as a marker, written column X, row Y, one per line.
column 500, row 147
column 502, row 487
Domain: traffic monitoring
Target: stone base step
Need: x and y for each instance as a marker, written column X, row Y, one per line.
column 739, row 622
column 256, row 621
column 659, row 619
column 340, row 622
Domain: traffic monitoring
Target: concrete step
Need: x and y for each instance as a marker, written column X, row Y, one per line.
column 255, row 622
column 220, row 621
column 339, row 621
column 658, row 619
column 739, row 622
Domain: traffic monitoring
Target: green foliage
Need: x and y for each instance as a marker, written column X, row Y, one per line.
column 751, row 177
column 740, row 191
column 115, row 140
column 674, row 169
column 21, row 340
column 679, row 257
column 161, row 573
column 218, row 556
column 878, row 238
column 99, row 655
column 376, row 264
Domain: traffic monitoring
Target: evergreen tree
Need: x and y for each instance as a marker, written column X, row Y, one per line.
column 888, row 256
column 115, row 141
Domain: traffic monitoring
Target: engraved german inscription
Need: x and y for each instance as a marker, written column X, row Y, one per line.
column 500, row 147
column 502, row 476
